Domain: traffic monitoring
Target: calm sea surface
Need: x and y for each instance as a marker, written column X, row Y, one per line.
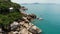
column 51, row 15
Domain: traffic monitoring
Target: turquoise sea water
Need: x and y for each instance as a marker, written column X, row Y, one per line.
column 51, row 15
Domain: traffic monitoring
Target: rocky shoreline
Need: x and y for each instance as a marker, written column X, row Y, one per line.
column 23, row 25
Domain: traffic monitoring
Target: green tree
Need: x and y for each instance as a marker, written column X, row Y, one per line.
column 6, row 17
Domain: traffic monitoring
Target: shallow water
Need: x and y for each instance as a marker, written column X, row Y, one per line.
column 51, row 15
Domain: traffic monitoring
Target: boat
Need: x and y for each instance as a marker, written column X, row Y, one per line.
column 40, row 18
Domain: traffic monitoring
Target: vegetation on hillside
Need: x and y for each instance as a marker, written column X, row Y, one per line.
column 7, row 17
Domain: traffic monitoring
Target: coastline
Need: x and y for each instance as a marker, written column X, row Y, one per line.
column 25, row 25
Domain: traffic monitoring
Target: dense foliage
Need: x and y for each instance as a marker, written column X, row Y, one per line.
column 7, row 17
column 7, row 4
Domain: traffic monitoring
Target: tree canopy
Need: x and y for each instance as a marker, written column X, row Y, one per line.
column 6, row 16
